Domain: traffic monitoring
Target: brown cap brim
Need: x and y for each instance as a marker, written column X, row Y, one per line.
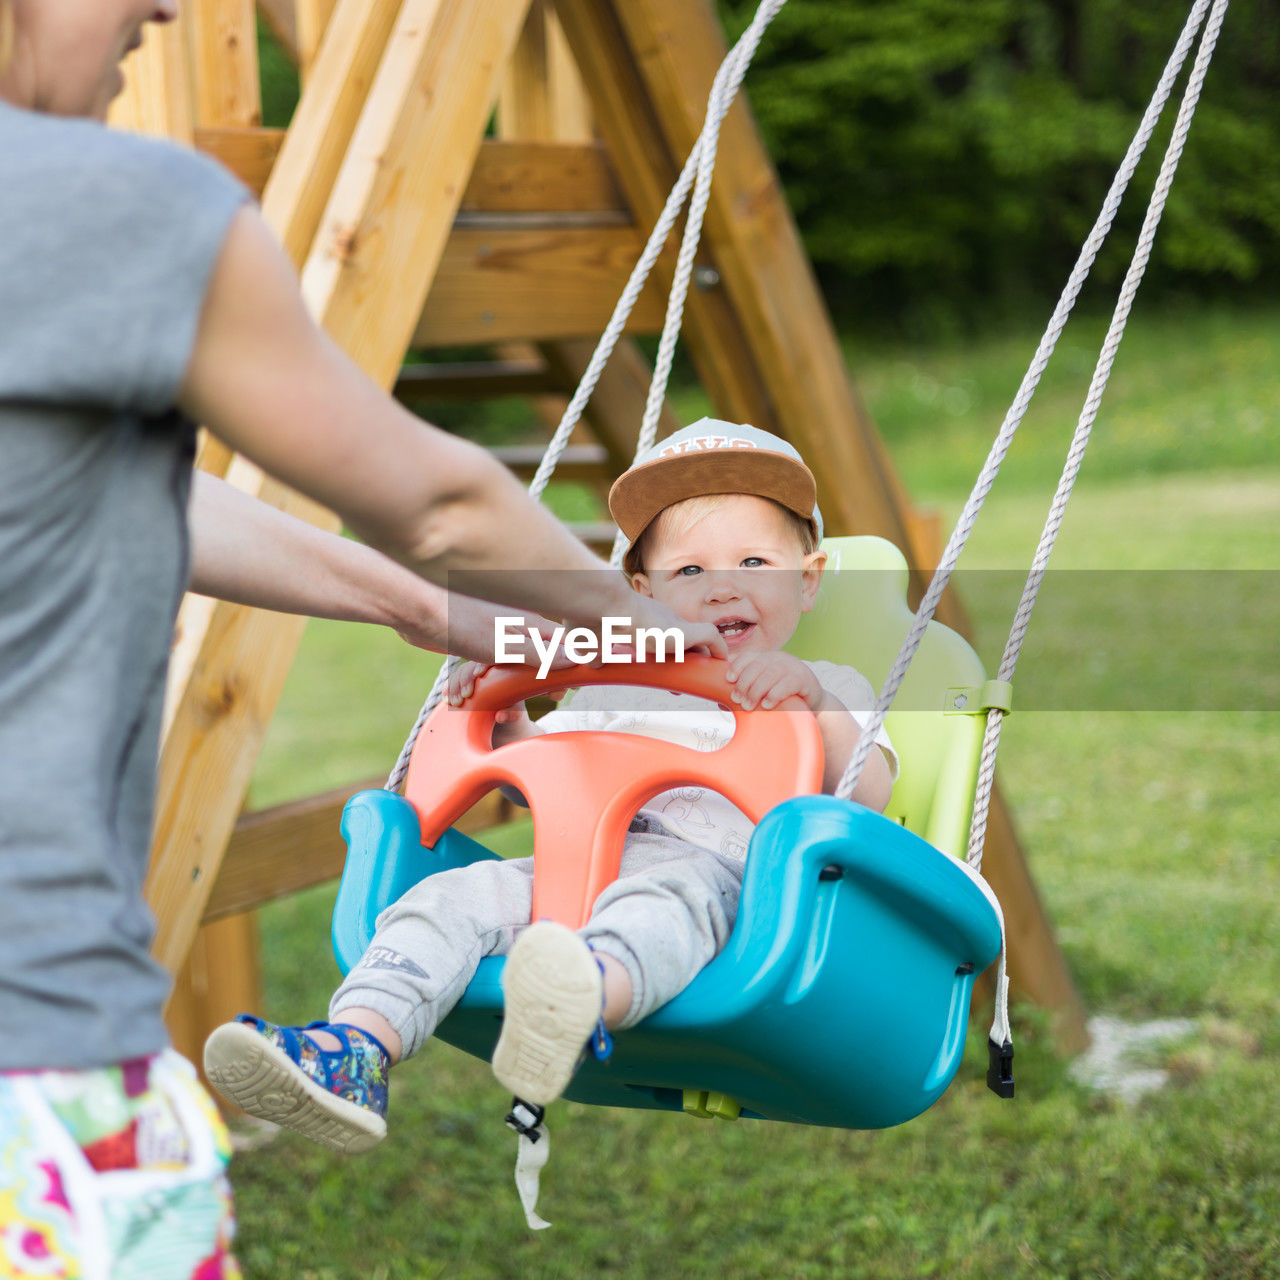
column 640, row 493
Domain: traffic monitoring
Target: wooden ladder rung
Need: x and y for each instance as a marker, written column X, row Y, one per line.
column 475, row 379
column 578, row 462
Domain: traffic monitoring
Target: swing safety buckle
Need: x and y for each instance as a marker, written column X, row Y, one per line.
column 601, row 1043
column 1000, row 1068
column 526, row 1119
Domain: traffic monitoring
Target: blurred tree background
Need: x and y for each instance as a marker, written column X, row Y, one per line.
column 945, row 160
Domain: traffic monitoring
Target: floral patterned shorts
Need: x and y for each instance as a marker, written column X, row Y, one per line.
column 117, row 1173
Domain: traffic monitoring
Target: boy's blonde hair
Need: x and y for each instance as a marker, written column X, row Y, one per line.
column 680, row 517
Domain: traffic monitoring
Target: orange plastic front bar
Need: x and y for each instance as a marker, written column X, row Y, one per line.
column 585, row 787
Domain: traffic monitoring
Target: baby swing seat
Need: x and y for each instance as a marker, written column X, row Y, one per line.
column 842, row 996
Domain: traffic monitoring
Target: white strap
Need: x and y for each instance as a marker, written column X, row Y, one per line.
column 1000, row 1030
column 532, row 1155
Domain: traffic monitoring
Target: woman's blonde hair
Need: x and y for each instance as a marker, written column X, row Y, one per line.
column 6, row 33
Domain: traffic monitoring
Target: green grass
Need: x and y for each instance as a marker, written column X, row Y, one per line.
column 1190, row 391
column 1153, row 839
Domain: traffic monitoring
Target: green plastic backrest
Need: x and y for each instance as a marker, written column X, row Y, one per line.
column 860, row 619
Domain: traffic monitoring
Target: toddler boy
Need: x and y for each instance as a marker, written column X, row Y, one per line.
column 724, row 529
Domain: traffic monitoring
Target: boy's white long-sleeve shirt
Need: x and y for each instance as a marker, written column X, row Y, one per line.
column 696, row 814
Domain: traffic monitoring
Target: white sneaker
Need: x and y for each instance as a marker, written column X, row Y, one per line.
column 553, row 991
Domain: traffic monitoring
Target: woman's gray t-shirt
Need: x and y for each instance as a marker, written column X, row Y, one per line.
column 107, row 242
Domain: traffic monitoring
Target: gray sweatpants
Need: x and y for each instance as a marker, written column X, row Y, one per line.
column 666, row 916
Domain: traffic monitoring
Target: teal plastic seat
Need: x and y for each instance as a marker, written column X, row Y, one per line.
column 842, row 997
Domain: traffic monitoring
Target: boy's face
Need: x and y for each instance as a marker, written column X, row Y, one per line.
column 741, row 568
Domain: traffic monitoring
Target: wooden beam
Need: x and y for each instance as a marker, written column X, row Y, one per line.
column 293, row 200
column 281, row 850
column 219, row 718
column 393, row 200
column 220, row 976
column 212, row 455
column 218, row 981
column 542, row 177
column 226, row 84
column 290, row 847
column 312, row 154
column 158, row 96
column 281, row 19
column 524, row 86
column 570, row 106
column 499, row 283
column 406, row 168
column 646, row 165
column 249, row 153
column 542, row 94
column 312, row 17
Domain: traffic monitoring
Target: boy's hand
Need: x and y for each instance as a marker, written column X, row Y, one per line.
column 462, row 681
column 462, row 684
column 766, row 679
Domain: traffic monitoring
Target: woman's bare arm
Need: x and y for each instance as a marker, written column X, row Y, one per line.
column 270, row 384
column 249, row 552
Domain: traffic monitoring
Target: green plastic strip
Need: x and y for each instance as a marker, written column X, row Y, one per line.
column 969, row 700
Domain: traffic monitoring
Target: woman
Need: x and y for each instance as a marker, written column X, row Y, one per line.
column 140, row 291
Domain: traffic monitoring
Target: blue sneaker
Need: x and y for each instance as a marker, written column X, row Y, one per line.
column 336, row 1097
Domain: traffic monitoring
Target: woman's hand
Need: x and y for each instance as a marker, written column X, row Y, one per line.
column 653, row 629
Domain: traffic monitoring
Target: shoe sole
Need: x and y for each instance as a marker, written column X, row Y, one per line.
column 552, row 992
column 261, row 1078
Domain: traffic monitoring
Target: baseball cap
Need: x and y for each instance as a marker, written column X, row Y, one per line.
column 712, row 456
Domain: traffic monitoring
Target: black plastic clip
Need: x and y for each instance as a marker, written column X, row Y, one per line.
column 1000, row 1068
column 526, row 1118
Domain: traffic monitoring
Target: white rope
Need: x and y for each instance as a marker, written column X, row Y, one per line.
column 1022, row 400
column 696, row 174
column 1084, row 427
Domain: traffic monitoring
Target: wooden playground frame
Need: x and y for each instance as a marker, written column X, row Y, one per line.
column 413, row 225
